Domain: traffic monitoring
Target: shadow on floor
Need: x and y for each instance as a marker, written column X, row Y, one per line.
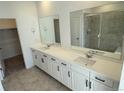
column 14, row 64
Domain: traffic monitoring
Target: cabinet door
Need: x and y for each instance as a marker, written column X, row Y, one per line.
column 66, row 76
column 55, row 69
column 43, row 62
column 50, row 64
column 79, row 81
column 35, row 55
column 96, row 86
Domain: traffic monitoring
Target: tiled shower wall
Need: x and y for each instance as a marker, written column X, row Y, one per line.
column 112, row 30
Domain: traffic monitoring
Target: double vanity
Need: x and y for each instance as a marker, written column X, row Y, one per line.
column 75, row 70
column 94, row 60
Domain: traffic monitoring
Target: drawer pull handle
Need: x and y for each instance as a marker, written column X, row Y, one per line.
column 86, row 83
column 90, row 85
column 58, row 68
column 63, row 64
column 69, row 74
column 42, row 60
column 99, row 79
column 53, row 59
column 44, row 55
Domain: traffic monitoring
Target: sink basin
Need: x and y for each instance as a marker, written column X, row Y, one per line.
column 85, row 61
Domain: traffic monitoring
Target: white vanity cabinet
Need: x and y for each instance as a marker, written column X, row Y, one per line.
column 73, row 76
column 58, row 69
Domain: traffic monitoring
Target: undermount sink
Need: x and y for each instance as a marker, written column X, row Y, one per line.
column 85, row 61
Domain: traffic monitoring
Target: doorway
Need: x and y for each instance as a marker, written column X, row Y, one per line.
column 11, row 53
column 57, row 31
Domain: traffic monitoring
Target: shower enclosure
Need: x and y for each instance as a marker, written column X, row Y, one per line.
column 104, row 31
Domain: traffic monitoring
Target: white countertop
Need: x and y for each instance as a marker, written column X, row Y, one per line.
column 103, row 66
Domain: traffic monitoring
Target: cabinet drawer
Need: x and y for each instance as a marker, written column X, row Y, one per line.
column 102, row 79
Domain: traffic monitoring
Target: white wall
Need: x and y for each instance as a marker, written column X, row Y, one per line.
column 63, row 9
column 9, row 42
column 25, row 14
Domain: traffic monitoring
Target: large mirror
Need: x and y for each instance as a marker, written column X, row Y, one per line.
column 49, row 29
column 100, row 28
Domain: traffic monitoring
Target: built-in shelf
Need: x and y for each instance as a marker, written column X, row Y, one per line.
column 7, row 24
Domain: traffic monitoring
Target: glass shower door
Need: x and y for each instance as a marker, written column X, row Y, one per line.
column 92, row 24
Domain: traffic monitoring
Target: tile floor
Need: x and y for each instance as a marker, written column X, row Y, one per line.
column 20, row 79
